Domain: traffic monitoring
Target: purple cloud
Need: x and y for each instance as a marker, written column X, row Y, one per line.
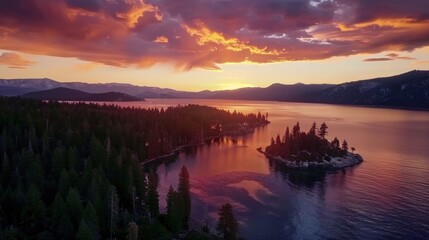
column 204, row 33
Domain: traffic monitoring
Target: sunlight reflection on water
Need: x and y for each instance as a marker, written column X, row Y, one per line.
column 383, row 198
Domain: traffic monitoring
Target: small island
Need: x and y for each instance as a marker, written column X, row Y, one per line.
column 310, row 150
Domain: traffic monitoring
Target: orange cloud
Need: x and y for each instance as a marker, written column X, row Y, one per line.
column 205, row 36
column 161, row 39
column 14, row 60
column 202, row 34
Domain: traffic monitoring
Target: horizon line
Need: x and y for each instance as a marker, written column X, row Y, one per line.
column 213, row 90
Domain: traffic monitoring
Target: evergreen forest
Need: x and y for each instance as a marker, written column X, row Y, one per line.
column 73, row 170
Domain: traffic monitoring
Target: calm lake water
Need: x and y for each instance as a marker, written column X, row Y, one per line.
column 386, row 197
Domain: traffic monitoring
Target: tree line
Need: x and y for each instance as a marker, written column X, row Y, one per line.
column 72, row 170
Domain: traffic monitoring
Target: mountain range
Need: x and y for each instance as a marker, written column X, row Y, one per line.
column 67, row 94
column 409, row 90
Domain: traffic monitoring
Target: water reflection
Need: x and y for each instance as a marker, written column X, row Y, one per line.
column 383, row 198
column 300, row 178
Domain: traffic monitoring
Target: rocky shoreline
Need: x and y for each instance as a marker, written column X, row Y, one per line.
column 335, row 163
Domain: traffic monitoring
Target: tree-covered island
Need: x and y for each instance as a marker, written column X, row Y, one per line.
column 311, row 150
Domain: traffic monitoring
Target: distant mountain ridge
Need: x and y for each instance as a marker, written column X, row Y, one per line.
column 10, row 91
column 409, row 90
column 275, row 92
column 406, row 90
column 67, row 94
column 39, row 84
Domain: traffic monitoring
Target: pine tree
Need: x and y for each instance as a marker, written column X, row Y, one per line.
column 227, row 224
column 296, row 130
column 141, row 187
column 65, row 228
column 101, row 213
column 64, row 183
column 296, row 133
column 60, row 218
column 278, row 145
column 286, row 146
column 323, row 130
column 287, row 135
column 34, row 170
column 74, row 205
column 113, row 210
column 98, row 153
column 153, row 142
column 58, row 162
column 335, row 143
column 84, row 232
column 312, row 130
column 345, row 146
column 33, row 212
column 132, row 231
column 184, row 191
column 174, row 219
column 5, row 170
column 58, row 209
column 91, row 219
column 72, row 159
column 152, row 200
column 133, row 195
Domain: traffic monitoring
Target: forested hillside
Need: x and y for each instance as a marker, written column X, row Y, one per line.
column 73, row 170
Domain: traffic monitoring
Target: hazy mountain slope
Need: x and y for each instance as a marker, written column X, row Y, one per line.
column 58, row 94
column 275, row 92
column 67, row 94
column 10, row 91
column 46, row 84
column 37, row 83
column 410, row 89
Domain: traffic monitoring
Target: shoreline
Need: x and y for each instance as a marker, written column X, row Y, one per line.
column 335, row 163
column 242, row 131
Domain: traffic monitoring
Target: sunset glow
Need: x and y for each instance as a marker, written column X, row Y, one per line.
column 170, row 43
column 214, row 119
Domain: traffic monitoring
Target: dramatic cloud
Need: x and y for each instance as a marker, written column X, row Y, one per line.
column 14, row 60
column 204, row 33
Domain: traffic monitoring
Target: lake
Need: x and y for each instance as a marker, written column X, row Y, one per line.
column 386, row 197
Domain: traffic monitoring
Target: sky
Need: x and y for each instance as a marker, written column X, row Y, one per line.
column 212, row 44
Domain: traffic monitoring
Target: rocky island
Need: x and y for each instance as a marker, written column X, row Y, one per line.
column 310, row 150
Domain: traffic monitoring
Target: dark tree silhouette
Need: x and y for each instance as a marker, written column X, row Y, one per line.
column 152, row 201
column 345, row 146
column 184, row 191
column 174, row 218
column 302, row 146
column 84, row 232
column 313, row 129
column 227, row 224
column 335, row 143
column 323, row 130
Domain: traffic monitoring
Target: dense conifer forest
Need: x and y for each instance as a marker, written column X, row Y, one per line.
column 73, row 170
